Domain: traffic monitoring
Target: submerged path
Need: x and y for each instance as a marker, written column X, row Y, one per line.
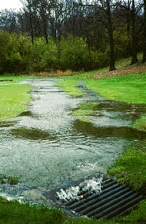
column 49, row 149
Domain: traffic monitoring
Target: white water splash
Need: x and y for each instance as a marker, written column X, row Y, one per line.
column 11, row 198
column 88, row 185
column 93, row 185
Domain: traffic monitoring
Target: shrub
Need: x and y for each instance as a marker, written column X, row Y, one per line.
column 99, row 59
column 74, row 53
column 44, row 55
column 4, row 40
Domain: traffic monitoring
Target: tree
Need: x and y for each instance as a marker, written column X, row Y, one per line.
column 134, row 34
column 133, row 23
column 30, row 13
column 8, row 21
column 110, row 32
column 144, row 34
column 105, row 17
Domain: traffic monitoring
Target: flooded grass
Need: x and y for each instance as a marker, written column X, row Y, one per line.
column 129, row 169
column 32, row 134
column 87, row 128
column 26, row 113
column 130, row 88
column 7, row 123
column 70, row 87
column 85, row 111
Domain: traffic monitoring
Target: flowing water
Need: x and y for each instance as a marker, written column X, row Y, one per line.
column 50, row 150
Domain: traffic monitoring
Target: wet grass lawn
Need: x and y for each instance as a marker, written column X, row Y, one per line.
column 20, row 96
column 129, row 169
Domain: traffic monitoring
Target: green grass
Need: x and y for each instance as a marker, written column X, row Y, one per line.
column 140, row 123
column 130, row 168
column 70, row 87
column 14, row 212
column 15, row 79
column 13, row 97
column 127, row 88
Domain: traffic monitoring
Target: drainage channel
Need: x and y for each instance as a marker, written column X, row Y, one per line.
column 112, row 200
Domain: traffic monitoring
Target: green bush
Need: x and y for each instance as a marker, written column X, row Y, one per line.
column 99, row 59
column 4, row 42
column 122, row 43
column 44, row 55
column 19, row 55
column 15, row 52
column 74, row 53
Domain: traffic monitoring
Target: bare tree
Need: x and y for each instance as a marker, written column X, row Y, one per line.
column 9, row 20
column 30, row 13
column 44, row 8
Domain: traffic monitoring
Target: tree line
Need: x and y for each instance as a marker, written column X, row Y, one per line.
column 110, row 29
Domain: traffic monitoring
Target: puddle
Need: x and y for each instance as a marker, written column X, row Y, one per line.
column 49, row 149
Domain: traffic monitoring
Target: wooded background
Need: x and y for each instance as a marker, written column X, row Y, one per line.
column 71, row 34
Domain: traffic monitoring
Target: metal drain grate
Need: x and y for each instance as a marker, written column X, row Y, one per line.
column 114, row 200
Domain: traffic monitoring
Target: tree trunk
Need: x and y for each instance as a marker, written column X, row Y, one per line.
column 89, row 51
column 45, row 33
column 111, row 40
column 128, row 47
column 31, row 29
column 144, row 34
column 134, row 35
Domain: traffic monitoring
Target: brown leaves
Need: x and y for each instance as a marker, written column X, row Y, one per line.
column 128, row 70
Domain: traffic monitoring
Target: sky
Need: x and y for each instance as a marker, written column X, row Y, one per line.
column 10, row 4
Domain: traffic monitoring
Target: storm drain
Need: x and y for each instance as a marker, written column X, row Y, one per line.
column 113, row 200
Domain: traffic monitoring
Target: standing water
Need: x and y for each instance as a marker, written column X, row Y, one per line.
column 49, row 149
